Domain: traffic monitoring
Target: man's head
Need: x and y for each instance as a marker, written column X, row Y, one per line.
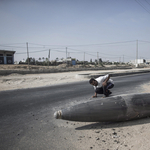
column 93, row 82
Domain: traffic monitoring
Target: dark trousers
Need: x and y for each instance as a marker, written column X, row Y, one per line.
column 104, row 89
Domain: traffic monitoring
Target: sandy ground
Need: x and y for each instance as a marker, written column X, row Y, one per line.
column 131, row 135
column 18, row 81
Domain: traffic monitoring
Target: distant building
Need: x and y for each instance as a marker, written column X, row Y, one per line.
column 69, row 60
column 6, row 57
column 138, row 61
column 148, row 61
column 23, row 60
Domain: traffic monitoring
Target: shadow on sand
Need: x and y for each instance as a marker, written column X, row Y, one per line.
column 105, row 125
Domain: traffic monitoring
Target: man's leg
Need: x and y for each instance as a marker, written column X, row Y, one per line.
column 105, row 89
column 109, row 86
column 99, row 90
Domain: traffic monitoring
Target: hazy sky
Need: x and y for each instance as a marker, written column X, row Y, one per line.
column 108, row 29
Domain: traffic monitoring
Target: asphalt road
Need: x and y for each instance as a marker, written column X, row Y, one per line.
column 26, row 116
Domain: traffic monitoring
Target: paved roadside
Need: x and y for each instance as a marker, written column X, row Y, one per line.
column 20, row 81
column 113, row 73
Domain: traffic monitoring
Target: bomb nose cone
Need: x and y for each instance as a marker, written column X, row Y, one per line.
column 58, row 114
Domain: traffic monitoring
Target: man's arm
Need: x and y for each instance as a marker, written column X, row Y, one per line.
column 106, row 80
column 95, row 95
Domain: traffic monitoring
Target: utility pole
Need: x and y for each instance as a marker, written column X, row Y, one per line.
column 66, row 53
column 97, row 58
column 137, row 53
column 27, row 53
column 49, row 57
column 66, row 57
column 84, row 58
column 123, row 58
column 119, row 59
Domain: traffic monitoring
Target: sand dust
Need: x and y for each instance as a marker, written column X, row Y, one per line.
column 145, row 88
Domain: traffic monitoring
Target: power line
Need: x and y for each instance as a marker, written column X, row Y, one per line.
column 20, row 53
column 85, row 44
column 32, row 52
column 39, row 51
column 103, row 44
column 144, row 41
column 129, row 56
column 91, row 54
column 90, row 51
column 143, row 6
column 64, row 46
column 147, row 2
column 13, row 44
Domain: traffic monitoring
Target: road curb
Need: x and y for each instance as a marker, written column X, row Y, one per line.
column 112, row 74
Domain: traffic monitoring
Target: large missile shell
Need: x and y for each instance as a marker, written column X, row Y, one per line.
column 115, row 108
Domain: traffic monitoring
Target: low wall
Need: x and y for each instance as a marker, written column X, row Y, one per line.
column 35, row 71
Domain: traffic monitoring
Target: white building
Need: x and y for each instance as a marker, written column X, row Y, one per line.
column 138, row 61
column 69, row 60
column 148, row 61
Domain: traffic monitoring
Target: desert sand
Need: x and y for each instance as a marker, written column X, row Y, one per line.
column 131, row 135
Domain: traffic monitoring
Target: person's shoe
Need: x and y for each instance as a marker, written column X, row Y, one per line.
column 105, row 96
column 110, row 92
